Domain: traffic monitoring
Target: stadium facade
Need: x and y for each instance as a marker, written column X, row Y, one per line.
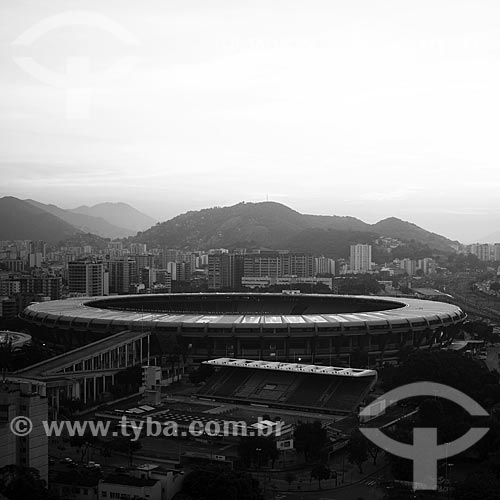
column 312, row 328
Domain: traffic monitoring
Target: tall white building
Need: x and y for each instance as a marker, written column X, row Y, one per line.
column 24, row 397
column 324, row 265
column 361, row 258
column 483, row 251
column 409, row 265
column 427, row 265
column 496, row 252
column 87, row 278
column 138, row 248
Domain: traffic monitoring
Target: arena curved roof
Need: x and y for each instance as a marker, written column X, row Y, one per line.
column 244, row 310
column 16, row 339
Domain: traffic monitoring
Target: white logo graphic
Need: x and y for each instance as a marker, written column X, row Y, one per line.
column 78, row 81
column 425, row 452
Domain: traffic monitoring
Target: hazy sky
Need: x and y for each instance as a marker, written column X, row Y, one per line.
column 365, row 108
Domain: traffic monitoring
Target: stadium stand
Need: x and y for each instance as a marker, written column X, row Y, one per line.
column 225, row 382
column 286, row 385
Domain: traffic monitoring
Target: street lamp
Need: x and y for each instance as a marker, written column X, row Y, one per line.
column 448, row 478
column 258, row 450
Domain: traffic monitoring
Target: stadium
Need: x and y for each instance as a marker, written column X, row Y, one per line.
column 289, row 328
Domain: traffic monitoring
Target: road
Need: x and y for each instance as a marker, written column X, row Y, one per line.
column 366, row 490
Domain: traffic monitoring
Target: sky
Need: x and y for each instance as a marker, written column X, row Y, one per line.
column 362, row 108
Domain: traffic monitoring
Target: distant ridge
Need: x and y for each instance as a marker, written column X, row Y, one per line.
column 85, row 223
column 273, row 225
column 21, row 220
column 119, row 214
column 250, row 225
column 31, row 219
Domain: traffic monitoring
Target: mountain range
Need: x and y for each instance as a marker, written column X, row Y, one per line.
column 30, row 219
column 250, row 225
column 121, row 215
column 273, row 225
column 21, row 220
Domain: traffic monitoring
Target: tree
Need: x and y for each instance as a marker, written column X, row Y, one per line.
column 134, row 446
column 126, row 445
column 202, row 373
column 480, row 486
column 68, row 407
column 213, row 484
column 320, row 472
column 357, row 449
column 373, row 450
column 445, row 367
column 83, row 443
column 310, row 439
column 21, row 483
column 401, row 468
column 431, row 413
column 290, row 477
column 106, row 451
column 127, row 381
column 257, row 450
column 131, row 376
column 490, row 444
column 5, row 357
column 494, row 464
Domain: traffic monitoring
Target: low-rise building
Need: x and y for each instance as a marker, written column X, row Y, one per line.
column 74, row 486
column 124, row 487
column 170, row 479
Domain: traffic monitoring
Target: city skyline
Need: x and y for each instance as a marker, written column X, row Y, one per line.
column 388, row 110
column 228, row 228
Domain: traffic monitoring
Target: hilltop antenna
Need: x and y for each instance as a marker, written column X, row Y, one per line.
column 267, row 196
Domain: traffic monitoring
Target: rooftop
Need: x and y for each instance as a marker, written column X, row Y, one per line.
column 292, row 367
column 239, row 310
column 79, row 354
column 129, row 481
